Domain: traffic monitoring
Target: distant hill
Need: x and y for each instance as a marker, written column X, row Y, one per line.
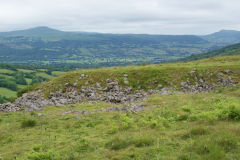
column 44, row 45
column 224, row 37
column 229, row 50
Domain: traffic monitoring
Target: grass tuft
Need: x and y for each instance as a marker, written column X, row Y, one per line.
column 28, row 123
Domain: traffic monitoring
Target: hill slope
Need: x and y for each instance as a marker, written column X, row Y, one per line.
column 170, row 125
column 223, row 37
column 229, row 50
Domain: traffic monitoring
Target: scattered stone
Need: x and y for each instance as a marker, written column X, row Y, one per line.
column 159, row 86
column 126, row 82
column 75, row 84
column 39, row 114
column 98, row 86
column 192, row 73
column 227, row 71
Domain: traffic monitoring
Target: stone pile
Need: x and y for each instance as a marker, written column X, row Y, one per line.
column 112, row 93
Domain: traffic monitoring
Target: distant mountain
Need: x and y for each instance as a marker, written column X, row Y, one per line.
column 229, row 50
column 44, row 33
column 43, row 45
column 223, row 37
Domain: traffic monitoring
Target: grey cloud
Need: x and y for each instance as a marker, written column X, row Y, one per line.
column 122, row 16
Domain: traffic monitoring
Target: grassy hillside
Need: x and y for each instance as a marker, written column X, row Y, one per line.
column 149, row 76
column 180, row 126
column 229, row 50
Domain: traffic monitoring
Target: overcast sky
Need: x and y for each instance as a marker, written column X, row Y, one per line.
column 122, row 16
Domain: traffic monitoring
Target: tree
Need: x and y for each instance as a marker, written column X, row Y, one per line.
column 19, row 77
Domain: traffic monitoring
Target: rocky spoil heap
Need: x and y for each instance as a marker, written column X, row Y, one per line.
column 112, row 93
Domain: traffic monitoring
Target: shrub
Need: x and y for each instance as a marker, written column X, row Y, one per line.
column 229, row 111
column 28, row 123
column 91, row 125
column 118, row 143
column 153, row 123
column 114, row 129
column 127, row 122
column 50, row 155
column 182, row 116
column 204, row 116
column 143, row 142
column 83, row 145
column 186, row 109
column 234, row 113
column 37, row 148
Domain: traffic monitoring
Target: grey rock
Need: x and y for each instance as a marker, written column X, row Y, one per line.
column 126, row 82
column 75, row 84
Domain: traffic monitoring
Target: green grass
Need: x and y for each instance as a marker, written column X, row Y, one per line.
column 44, row 75
column 6, row 71
column 7, row 92
column 57, row 73
column 207, row 132
column 26, row 70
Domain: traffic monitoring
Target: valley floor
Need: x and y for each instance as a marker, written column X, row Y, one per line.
column 204, row 126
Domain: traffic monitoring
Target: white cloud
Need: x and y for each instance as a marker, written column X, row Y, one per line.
column 122, row 16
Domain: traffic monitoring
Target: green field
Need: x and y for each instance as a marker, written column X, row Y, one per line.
column 6, row 71
column 7, row 92
column 15, row 77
